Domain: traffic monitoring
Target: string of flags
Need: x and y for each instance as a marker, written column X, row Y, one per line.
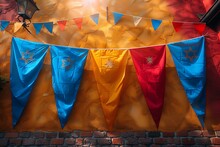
column 200, row 27
column 68, row 65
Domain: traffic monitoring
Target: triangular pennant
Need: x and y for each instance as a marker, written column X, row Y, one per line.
column 78, row 22
column 137, row 20
column 26, row 62
column 17, row 26
column 200, row 27
column 4, row 24
column 105, row 63
column 117, row 17
column 177, row 25
column 49, row 26
column 62, row 24
column 149, row 63
column 156, row 23
column 38, row 27
column 95, row 18
column 189, row 59
column 67, row 69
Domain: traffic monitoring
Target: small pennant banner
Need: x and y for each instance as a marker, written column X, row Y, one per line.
column 38, row 27
column 177, row 26
column 156, row 23
column 95, row 18
column 117, row 17
column 78, row 22
column 49, row 26
column 137, row 20
column 62, row 24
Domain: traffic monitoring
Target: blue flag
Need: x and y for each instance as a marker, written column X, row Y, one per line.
column 189, row 59
column 67, row 69
column 3, row 24
column 95, row 18
column 156, row 23
column 117, row 17
column 38, row 27
column 49, row 26
column 26, row 62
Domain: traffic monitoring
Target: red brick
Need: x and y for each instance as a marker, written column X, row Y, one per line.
column 99, row 134
column 57, row 141
column 28, row 142
column 173, row 140
column 2, row 134
column 208, row 133
column 15, row 142
column 131, row 140
column 3, row 142
column 196, row 133
column 117, row 141
column 182, row 134
column 75, row 134
column 70, row 141
column 90, row 141
column 153, row 134
column 24, row 134
column 11, row 135
column 203, row 141
column 217, row 133
column 104, row 141
column 154, row 145
column 64, row 135
column 160, row 140
column 168, row 134
column 113, row 134
column 215, row 140
column 145, row 140
column 140, row 134
column 127, row 134
column 42, row 142
column 86, row 134
column 51, row 135
column 38, row 135
column 188, row 141
column 79, row 141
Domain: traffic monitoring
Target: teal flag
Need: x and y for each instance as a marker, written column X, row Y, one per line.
column 67, row 69
column 95, row 18
column 38, row 27
column 49, row 26
column 26, row 62
column 190, row 62
column 156, row 23
column 4, row 24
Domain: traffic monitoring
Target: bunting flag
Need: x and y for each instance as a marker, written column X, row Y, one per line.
column 149, row 63
column 38, row 27
column 177, row 25
column 78, row 22
column 189, row 59
column 117, row 17
column 49, row 26
column 4, row 24
column 67, row 69
column 95, row 18
column 62, row 24
column 156, row 23
column 137, row 20
column 17, row 26
column 26, row 62
column 200, row 28
column 109, row 70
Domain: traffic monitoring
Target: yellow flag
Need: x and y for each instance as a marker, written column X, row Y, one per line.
column 109, row 68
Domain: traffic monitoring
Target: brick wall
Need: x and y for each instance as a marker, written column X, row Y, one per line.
column 102, row 138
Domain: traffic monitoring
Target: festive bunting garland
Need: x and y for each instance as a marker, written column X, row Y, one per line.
column 69, row 62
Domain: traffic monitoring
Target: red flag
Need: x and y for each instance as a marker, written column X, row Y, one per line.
column 78, row 22
column 62, row 24
column 200, row 28
column 149, row 63
column 177, row 26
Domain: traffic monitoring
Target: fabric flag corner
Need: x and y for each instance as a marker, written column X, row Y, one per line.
column 49, row 26
column 156, row 23
column 149, row 63
column 78, row 22
column 67, row 69
column 110, row 88
column 117, row 17
column 38, row 27
column 190, row 62
column 4, row 24
column 26, row 62
column 95, row 18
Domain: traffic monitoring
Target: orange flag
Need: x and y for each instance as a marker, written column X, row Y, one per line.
column 109, row 68
column 78, row 22
column 62, row 24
